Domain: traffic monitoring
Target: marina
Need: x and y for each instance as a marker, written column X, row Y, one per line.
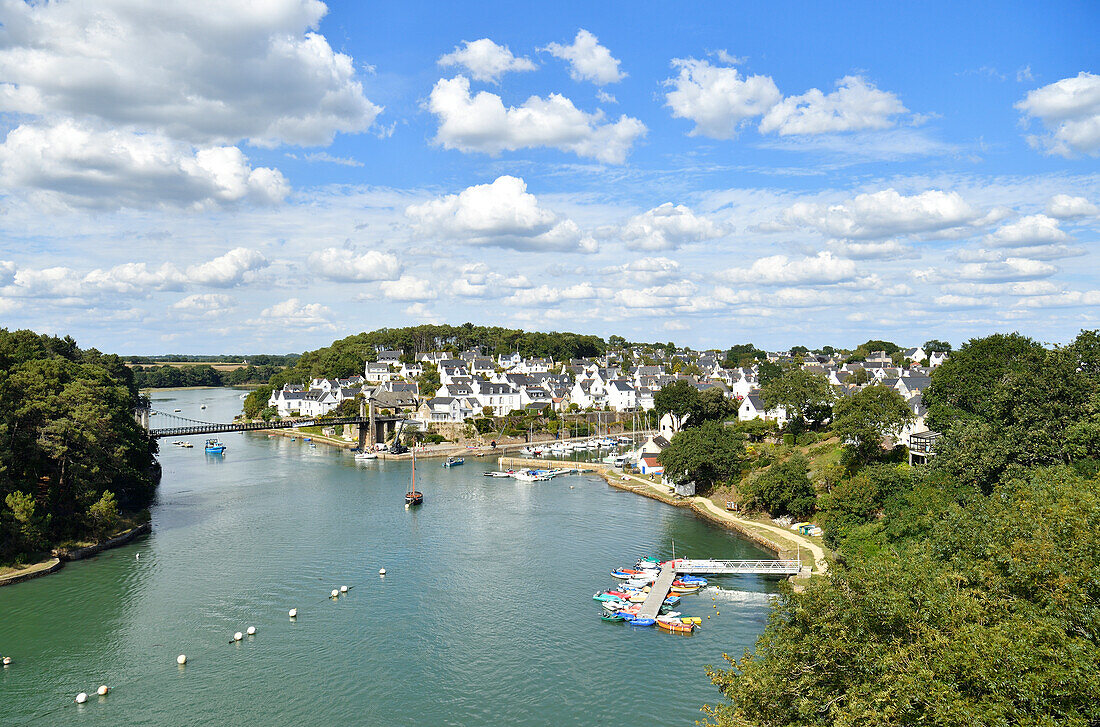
column 272, row 525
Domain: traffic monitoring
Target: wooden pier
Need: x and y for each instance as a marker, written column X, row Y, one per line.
column 658, row 592
column 538, row 463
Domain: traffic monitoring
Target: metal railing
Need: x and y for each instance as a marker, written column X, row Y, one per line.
column 725, row 567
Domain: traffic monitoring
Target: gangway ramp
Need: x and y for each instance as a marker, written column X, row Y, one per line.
column 670, row 569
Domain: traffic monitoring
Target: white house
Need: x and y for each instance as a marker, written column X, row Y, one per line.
column 377, row 373
column 936, row 358
column 621, row 395
column 752, row 407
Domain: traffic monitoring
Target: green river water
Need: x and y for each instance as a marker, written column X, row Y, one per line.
column 485, row 616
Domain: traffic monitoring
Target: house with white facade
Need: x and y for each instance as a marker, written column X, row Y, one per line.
column 752, row 407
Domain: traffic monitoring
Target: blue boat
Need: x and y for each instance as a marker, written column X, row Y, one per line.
column 213, row 446
column 454, row 462
column 643, row 621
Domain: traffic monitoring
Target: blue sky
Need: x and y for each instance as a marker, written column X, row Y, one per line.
column 270, row 176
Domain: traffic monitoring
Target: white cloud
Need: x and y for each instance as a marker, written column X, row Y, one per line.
column 1030, row 230
column 502, row 214
column 232, row 268
column 485, row 60
column 667, row 227
column 648, row 270
column 718, row 99
column 873, row 250
column 588, row 60
column 605, row 97
column 203, row 305
column 671, row 297
column 821, row 269
column 292, row 313
column 547, row 295
column 347, row 266
column 407, row 287
column 855, row 105
column 209, row 75
column 78, row 166
column 476, row 280
column 1022, row 288
column 1070, row 111
column 1067, row 299
column 887, row 213
column 1009, row 269
column 420, row 312
column 1063, row 206
column 482, row 123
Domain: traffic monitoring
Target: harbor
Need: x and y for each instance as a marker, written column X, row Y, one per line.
column 272, row 524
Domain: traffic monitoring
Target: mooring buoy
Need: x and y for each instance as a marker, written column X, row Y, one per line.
column 81, row 698
column 251, row 630
column 381, row 571
column 181, row 659
column 102, row 691
column 293, row 613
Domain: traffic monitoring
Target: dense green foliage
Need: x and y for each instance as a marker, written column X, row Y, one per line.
column 806, row 396
column 681, row 398
column 258, row 359
column 704, row 454
column 71, row 453
column 783, row 489
column 1006, row 401
column 966, row 592
column 163, row 377
column 865, row 418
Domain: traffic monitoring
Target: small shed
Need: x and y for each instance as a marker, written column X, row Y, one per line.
column 648, row 465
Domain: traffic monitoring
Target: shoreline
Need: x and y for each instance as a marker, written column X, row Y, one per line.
column 57, row 562
column 762, row 534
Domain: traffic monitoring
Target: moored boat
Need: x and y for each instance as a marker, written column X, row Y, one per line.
column 413, row 496
column 213, row 446
column 453, row 461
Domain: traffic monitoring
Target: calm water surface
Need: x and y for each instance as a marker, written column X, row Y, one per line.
column 485, row 617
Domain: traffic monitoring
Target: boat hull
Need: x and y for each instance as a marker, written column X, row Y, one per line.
column 414, row 498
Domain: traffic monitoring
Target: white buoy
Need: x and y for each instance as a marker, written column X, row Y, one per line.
column 335, row 593
column 181, row 659
column 7, row 660
column 102, row 691
column 238, row 636
column 343, row 589
column 406, row 506
column 251, row 630
column 81, row 698
column 293, row 613
column 137, row 556
column 381, row 571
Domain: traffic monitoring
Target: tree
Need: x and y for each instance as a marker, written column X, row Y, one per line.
column 680, row 398
column 705, row 455
column 103, row 514
column 799, row 350
column 784, row 489
column 767, row 372
column 797, row 391
column 1005, row 400
column 985, row 617
column 865, row 418
column 860, row 377
column 713, row 405
column 936, row 346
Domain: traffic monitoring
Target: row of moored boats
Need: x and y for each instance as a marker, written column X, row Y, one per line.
column 560, row 448
column 623, row 602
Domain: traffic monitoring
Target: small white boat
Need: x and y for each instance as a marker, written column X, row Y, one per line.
column 362, row 456
column 203, row 406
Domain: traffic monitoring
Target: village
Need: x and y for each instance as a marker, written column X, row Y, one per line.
column 473, row 386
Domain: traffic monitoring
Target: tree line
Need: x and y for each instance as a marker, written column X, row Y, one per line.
column 964, row 591
column 72, row 457
column 165, row 377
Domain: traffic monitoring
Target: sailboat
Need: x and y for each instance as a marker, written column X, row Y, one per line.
column 413, row 496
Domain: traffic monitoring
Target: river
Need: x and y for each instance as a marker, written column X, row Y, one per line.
column 485, row 615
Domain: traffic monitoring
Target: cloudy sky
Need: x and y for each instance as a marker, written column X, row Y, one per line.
column 267, row 175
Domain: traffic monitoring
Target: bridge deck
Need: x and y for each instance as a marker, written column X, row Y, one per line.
column 658, row 592
column 196, row 427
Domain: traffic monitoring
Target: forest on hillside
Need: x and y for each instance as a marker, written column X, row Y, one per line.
column 72, row 457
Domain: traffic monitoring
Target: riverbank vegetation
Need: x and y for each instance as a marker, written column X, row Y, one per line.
column 73, row 461
column 964, row 591
column 166, row 376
